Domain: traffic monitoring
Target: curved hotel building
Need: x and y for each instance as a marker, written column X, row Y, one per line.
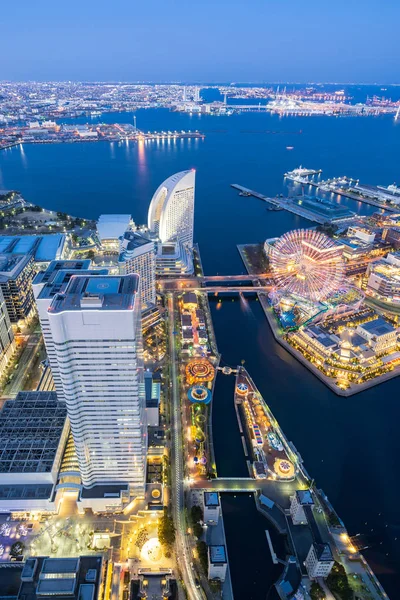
column 171, row 211
column 170, row 221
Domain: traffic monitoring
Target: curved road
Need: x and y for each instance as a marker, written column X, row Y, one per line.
column 183, row 551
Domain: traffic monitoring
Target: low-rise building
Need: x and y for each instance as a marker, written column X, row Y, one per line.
column 380, row 335
column 43, row 248
column 211, row 508
column 77, row 578
column 319, row 561
column 110, row 228
column 384, row 279
column 300, row 499
column 173, row 258
column 152, row 394
column 217, row 562
column 33, row 433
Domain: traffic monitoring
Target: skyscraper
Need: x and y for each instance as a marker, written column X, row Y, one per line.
column 45, row 286
column 96, row 331
column 171, row 211
column 137, row 255
column 7, row 343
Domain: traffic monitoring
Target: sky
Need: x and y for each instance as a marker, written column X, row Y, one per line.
column 207, row 40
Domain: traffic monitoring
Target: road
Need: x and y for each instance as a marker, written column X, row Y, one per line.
column 25, row 364
column 177, row 473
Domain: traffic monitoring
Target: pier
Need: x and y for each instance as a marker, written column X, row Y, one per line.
column 345, row 187
column 318, row 210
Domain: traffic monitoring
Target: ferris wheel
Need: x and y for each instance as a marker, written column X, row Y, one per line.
column 307, row 263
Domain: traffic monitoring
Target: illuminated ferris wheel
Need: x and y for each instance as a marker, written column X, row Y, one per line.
column 307, row 263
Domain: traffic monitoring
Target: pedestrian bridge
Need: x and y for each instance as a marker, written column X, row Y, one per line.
column 229, row 484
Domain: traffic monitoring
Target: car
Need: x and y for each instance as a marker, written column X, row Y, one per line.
column 197, row 583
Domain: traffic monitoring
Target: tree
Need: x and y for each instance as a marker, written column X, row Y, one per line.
column 196, row 514
column 90, row 254
column 197, row 530
column 338, row 583
column 316, row 591
column 203, row 558
column 166, row 530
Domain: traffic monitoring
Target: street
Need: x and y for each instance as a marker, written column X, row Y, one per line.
column 184, row 558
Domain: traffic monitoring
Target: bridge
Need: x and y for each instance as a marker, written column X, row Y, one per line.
column 229, row 484
column 200, row 283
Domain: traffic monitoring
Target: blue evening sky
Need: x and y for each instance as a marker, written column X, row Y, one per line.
column 204, row 40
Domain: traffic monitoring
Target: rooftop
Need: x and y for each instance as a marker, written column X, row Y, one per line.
column 305, row 497
column 59, row 282
column 211, row 499
column 377, row 327
column 112, row 227
column 30, row 432
column 110, row 292
column 44, row 248
column 217, row 554
column 12, row 265
column 58, row 265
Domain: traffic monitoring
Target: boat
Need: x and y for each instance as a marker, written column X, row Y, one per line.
column 289, row 147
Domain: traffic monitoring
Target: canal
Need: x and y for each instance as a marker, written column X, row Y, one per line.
column 347, row 444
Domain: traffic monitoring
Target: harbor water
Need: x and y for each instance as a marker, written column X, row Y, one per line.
column 351, row 446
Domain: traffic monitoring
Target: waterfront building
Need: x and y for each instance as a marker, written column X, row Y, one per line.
column 211, row 508
column 384, row 279
column 392, row 236
column 173, row 258
column 137, row 255
column 54, row 280
column 365, row 234
column 7, row 342
column 16, row 275
column 300, row 499
column 110, row 228
column 189, row 301
column 78, row 578
column 171, row 211
column 319, row 561
column 380, row 335
column 96, row 331
column 217, row 562
column 33, row 434
column 152, row 395
column 43, row 248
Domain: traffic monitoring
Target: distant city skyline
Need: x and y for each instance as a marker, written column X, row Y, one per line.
column 213, row 42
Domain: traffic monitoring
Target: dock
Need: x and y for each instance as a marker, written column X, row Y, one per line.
column 337, row 185
column 317, row 210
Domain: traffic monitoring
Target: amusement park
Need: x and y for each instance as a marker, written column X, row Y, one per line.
column 320, row 312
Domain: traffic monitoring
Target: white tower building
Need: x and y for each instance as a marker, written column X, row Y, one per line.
column 45, row 286
column 96, row 331
column 171, row 211
column 137, row 255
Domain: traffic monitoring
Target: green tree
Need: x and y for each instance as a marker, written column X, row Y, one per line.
column 197, row 530
column 203, row 558
column 316, row 591
column 338, row 583
column 166, row 530
column 196, row 514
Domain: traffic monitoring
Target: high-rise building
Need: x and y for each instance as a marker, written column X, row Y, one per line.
column 95, row 327
column 171, row 211
column 16, row 274
column 45, row 286
column 7, row 342
column 137, row 255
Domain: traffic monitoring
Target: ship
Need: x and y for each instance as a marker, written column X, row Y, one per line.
column 302, row 172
